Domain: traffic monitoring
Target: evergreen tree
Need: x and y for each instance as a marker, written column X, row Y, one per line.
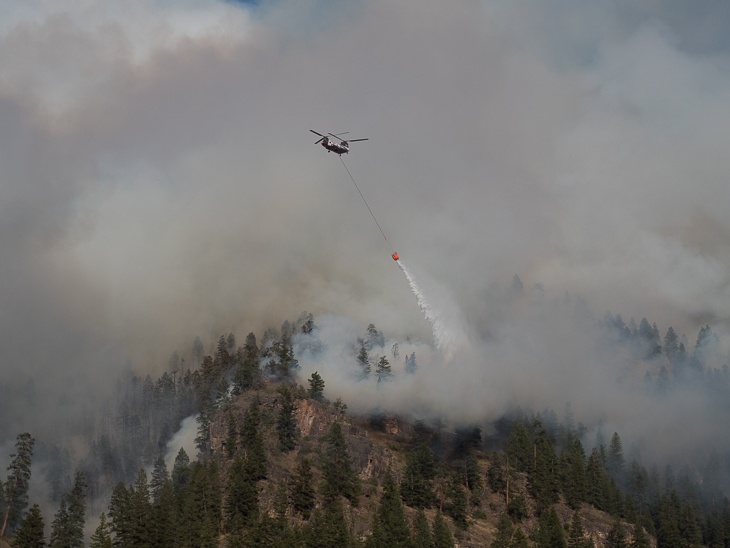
column 364, row 361
column 253, row 438
column 616, row 536
column 232, row 436
column 241, row 496
column 316, row 387
column 576, row 534
column 442, row 537
column 163, row 524
column 286, row 426
column 411, row 365
column 339, row 477
column 159, row 477
column 102, row 536
column 327, row 528
column 302, row 490
column 390, row 517
column 417, row 485
column 140, row 510
column 542, row 477
column 16, row 488
column 457, row 507
column 383, row 370
column 519, row 540
column 422, row 533
column 199, row 524
column 519, row 447
column 575, row 485
column 639, row 538
column 668, row 533
column 181, row 471
column 503, row 538
column 30, row 532
column 616, row 458
column 60, row 531
column 550, row 532
column 688, row 528
column 121, row 516
column 202, row 441
column 497, row 473
column 77, row 512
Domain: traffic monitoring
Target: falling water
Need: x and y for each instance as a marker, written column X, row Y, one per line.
column 442, row 336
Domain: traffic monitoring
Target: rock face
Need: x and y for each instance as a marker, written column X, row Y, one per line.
column 313, row 420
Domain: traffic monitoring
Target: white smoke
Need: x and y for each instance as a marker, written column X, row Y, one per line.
column 448, row 330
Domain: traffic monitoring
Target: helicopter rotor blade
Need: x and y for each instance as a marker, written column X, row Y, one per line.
column 336, row 137
column 316, row 133
column 354, row 140
column 322, row 139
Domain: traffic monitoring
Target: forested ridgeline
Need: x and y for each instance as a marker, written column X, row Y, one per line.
column 279, row 466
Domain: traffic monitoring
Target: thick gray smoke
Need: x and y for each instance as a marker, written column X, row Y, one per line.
column 158, row 182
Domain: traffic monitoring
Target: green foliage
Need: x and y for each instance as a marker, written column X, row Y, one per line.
column 616, row 536
column 339, row 477
column 422, row 533
column 302, row 489
column 417, row 484
column 383, row 370
column 16, row 487
column 159, row 477
column 102, row 535
column 316, row 387
column 30, row 532
column 202, row 441
column 503, row 538
column 181, row 471
column 639, row 537
column 576, row 534
column 60, row 533
column 390, row 517
column 541, row 476
column 140, row 509
column 327, row 528
column 120, row 515
column 519, row 540
column 231, row 436
column 550, row 532
column 286, row 426
column 574, row 482
column 241, row 496
column 200, row 514
column 442, row 537
column 163, row 523
column 457, row 505
column 253, row 439
column 497, row 473
column 282, row 364
column 616, row 459
column 517, row 507
column 519, row 447
column 364, row 361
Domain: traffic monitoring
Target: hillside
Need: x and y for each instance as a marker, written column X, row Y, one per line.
column 375, row 446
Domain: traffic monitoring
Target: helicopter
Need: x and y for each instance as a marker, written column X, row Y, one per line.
column 343, row 147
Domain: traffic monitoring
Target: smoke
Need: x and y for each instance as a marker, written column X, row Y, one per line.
column 159, row 184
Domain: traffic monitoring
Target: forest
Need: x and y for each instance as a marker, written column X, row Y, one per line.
column 532, row 479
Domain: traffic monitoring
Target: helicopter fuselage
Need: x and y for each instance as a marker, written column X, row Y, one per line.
column 337, row 148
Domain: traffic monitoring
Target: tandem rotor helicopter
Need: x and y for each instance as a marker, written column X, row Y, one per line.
column 343, row 147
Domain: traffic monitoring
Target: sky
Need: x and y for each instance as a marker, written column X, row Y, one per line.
column 159, row 182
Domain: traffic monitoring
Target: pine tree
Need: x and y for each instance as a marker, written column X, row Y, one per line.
column 327, row 528
column 364, row 361
column 181, row 471
column 390, row 516
column 422, row 534
column 383, row 370
column 519, row 540
column 417, row 485
column 60, row 537
column 576, row 534
column 286, row 426
column 339, row 477
column 316, row 387
column 162, row 523
column 159, row 477
column 519, row 447
column 16, row 488
column 639, row 538
column 77, row 512
column 241, row 496
column 550, row 531
column 202, row 441
column 411, row 366
column 616, row 536
column 30, row 532
column 253, row 440
column 302, row 490
column 542, row 475
column 102, row 536
column 503, row 538
column 442, row 537
column 140, row 510
column 457, row 507
column 121, row 516
column 616, row 458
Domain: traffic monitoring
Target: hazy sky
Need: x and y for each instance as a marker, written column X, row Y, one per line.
column 158, row 179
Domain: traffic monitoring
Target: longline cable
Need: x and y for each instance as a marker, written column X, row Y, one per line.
column 366, row 203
